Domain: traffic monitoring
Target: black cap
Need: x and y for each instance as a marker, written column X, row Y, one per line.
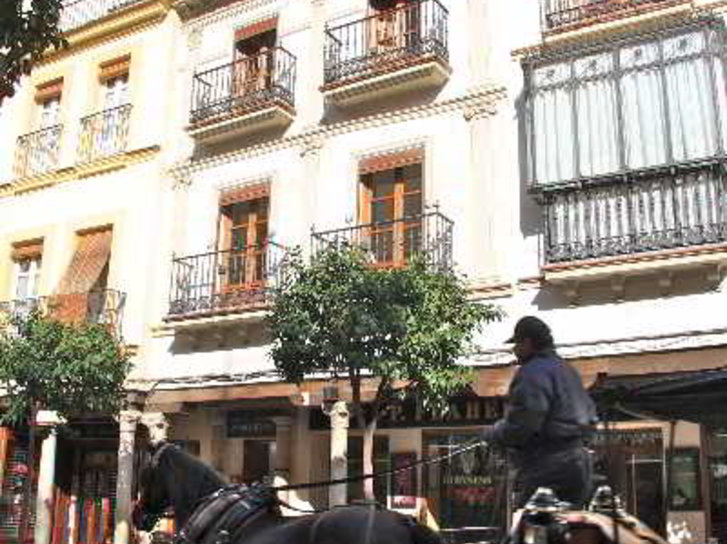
column 533, row 328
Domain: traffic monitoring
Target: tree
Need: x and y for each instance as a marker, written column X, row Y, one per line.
column 404, row 327
column 24, row 35
column 69, row 368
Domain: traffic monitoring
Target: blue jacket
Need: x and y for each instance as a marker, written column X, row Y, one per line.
column 548, row 409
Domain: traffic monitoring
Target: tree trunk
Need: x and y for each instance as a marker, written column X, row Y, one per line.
column 28, row 484
column 368, row 457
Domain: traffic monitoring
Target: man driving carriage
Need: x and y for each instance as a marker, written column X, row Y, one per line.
column 548, row 419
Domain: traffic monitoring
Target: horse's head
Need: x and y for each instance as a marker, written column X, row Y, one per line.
column 172, row 478
column 154, row 497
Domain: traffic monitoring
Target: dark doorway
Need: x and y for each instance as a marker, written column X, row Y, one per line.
column 256, row 461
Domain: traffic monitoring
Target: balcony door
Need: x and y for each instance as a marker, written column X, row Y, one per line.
column 244, row 244
column 112, row 130
column 393, row 26
column 254, row 62
column 44, row 150
column 391, row 208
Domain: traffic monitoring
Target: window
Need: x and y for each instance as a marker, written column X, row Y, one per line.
column 49, row 112
column 653, row 102
column 395, row 25
column 244, row 243
column 27, row 260
column 116, row 91
column 391, row 207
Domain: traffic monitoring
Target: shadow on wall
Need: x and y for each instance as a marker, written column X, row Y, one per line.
column 334, row 114
column 235, row 143
column 218, row 338
column 618, row 289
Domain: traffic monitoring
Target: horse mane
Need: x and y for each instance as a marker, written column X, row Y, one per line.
column 187, row 480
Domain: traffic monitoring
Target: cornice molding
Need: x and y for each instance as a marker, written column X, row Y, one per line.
column 485, row 99
column 192, row 12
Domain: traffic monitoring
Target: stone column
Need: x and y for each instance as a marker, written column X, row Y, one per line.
column 128, row 421
column 281, row 460
column 339, row 449
column 46, row 480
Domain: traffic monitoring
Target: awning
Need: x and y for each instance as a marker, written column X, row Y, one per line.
column 697, row 396
column 91, row 255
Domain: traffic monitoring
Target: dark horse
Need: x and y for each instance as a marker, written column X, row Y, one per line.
column 209, row 512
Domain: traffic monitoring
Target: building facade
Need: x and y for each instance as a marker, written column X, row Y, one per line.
column 567, row 156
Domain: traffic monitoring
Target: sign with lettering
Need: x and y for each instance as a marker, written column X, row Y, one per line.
column 247, row 425
column 462, row 411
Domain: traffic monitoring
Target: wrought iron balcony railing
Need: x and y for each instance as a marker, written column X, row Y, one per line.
column 386, row 41
column 394, row 243
column 104, row 306
column 562, row 13
column 232, row 280
column 248, row 84
column 104, row 133
column 37, row 152
column 77, row 13
column 638, row 212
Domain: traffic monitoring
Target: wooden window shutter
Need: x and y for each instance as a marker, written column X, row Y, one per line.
column 389, row 161
column 27, row 250
column 91, row 256
column 242, row 193
column 115, row 67
column 48, row 90
column 256, row 28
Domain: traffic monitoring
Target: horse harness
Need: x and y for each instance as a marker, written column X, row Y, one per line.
column 222, row 516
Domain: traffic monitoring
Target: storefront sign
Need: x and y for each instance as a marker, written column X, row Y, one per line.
column 404, row 483
column 462, row 411
column 247, row 425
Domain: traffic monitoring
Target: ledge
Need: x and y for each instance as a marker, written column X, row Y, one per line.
column 202, row 320
column 79, row 171
column 426, row 73
column 218, row 128
column 114, row 23
column 711, row 259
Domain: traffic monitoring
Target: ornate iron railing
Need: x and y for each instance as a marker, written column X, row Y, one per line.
column 248, row 84
column 386, row 40
column 394, row 243
column 77, row 13
column 104, row 133
column 37, row 152
column 225, row 281
column 649, row 210
column 561, row 13
column 104, row 306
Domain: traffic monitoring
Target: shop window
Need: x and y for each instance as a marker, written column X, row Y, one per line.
column 355, row 468
column 685, row 481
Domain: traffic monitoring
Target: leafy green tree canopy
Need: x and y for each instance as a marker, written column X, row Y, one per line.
column 70, row 368
column 24, row 35
column 406, row 325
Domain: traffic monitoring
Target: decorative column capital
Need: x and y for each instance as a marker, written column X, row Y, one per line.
column 311, row 147
column 128, row 420
column 338, row 412
column 158, row 426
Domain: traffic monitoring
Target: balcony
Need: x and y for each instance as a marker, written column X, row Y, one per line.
column 37, row 152
column 391, row 52
column 104, row 134
column 78, row 13
column 99, row 306
column 252, row 93
column 225, row 282
column 394, row 243
column 565, row 14
column 670, row 217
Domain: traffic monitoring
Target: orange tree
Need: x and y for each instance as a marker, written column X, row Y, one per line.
column 407, row 328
